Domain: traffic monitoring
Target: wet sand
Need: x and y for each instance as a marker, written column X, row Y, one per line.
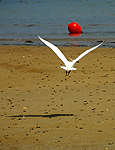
column 40, row 110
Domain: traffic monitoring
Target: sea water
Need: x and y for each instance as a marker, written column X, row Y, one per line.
column 25, row 19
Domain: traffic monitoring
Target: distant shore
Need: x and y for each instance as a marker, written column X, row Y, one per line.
column 59, row 42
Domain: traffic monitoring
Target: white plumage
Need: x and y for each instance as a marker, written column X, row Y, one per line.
column 68, row 64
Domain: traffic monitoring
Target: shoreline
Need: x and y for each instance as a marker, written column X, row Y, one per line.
column 69, row 42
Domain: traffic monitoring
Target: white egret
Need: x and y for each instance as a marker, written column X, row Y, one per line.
column 68, row 64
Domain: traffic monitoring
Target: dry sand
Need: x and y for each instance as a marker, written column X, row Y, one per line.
column 39, row 110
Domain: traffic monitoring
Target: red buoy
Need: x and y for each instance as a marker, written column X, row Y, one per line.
column 74, row 28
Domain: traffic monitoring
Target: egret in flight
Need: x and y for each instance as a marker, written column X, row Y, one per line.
column 69, row 65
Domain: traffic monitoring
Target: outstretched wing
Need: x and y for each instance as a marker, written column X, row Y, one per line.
column 85, row 53
column 55, row 49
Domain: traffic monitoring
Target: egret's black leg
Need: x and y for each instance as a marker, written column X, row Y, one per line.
column 69, row 72
column 66, row 73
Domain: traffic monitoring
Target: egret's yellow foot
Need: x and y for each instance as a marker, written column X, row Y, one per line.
column 66, row 78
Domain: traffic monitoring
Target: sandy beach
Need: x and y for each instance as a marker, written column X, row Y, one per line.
column 40, row 110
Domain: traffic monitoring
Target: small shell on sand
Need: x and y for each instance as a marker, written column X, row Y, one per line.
column 25, row 108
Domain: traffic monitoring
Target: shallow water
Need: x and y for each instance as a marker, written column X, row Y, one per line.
column 25, row 19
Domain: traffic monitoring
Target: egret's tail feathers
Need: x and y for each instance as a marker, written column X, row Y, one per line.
column 65, row 68
column 73, row 69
